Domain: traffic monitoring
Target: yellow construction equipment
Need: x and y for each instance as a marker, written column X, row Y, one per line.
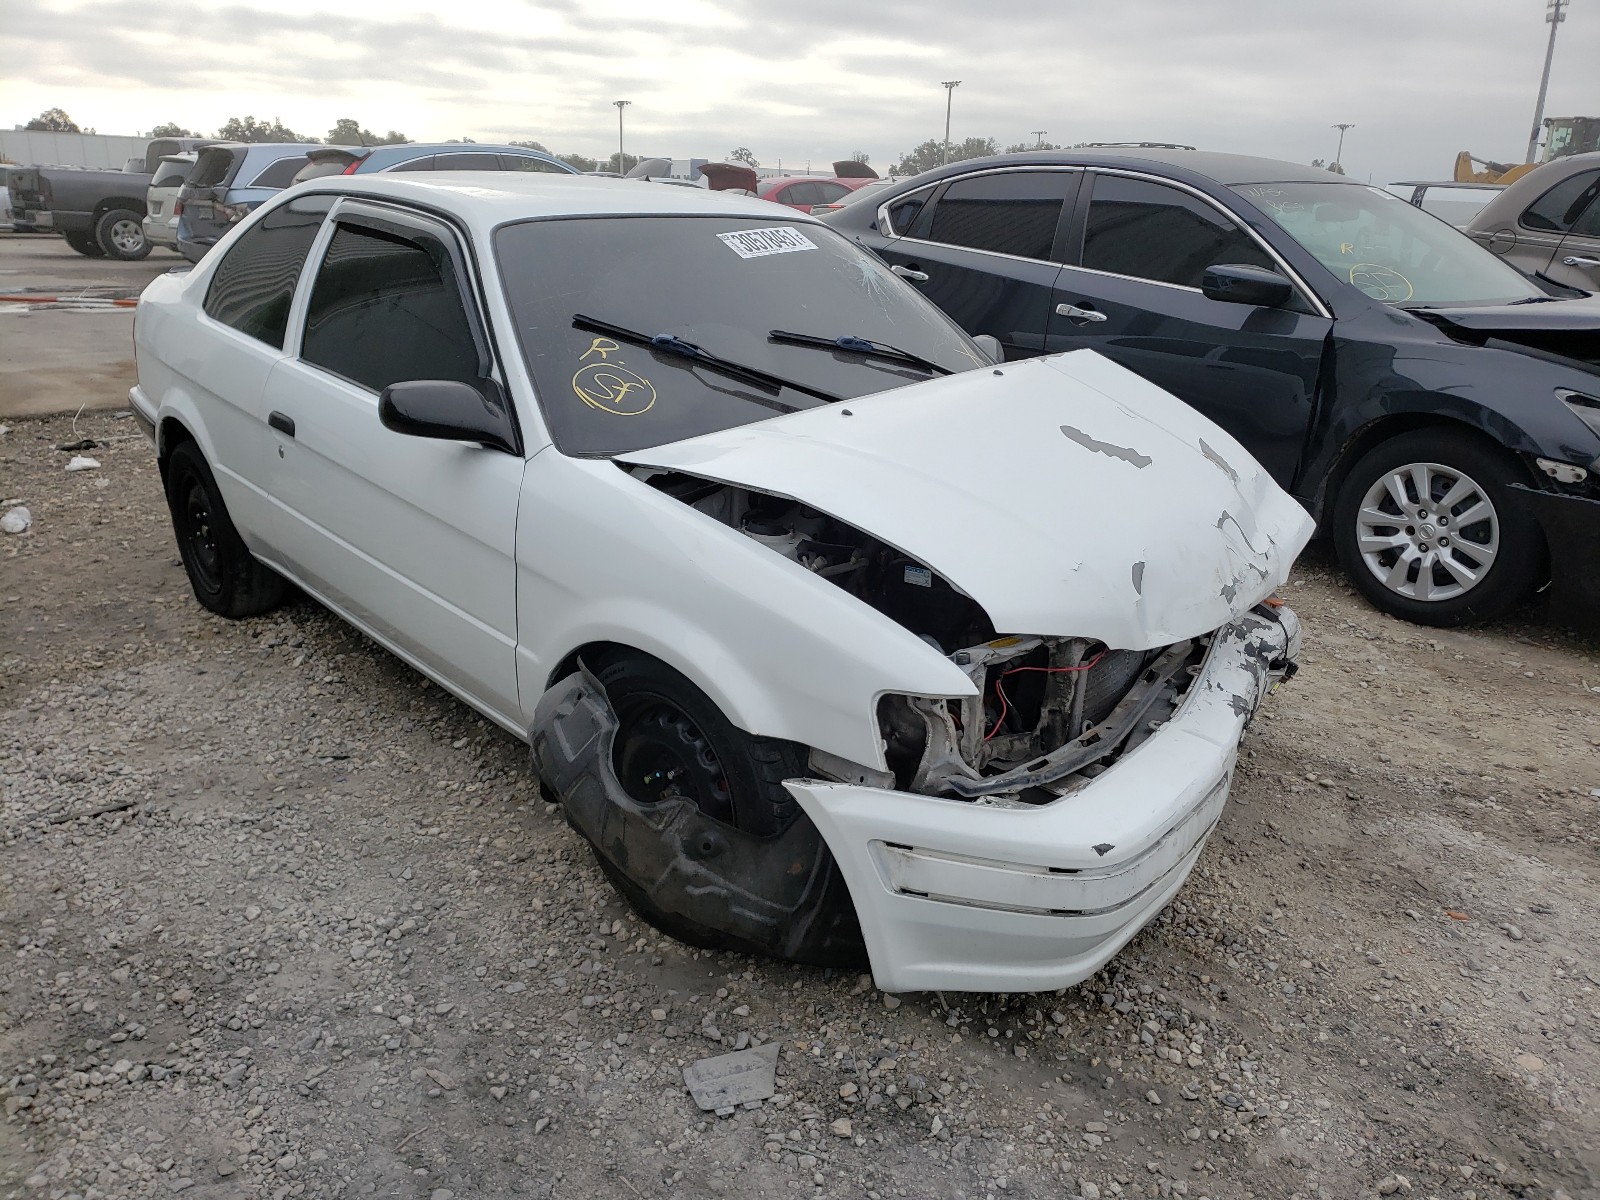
column 1563, row 136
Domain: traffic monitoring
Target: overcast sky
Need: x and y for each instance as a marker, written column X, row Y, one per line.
column 817, row 79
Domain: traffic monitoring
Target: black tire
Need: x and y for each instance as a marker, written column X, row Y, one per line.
column 225, row 576
column 664, row 718
column 1502, row 580
column 84, row 244
column 120, row 234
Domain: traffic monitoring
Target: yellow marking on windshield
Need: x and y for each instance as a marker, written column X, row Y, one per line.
column 601, row 346
column 612, row 388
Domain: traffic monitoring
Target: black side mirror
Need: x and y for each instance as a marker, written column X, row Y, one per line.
column 448, row 410
column 1239, row 284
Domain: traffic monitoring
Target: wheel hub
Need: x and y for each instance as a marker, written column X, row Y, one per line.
column 1428, row 532
column 662, row 756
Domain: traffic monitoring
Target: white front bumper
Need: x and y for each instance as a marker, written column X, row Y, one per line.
column 959, row 896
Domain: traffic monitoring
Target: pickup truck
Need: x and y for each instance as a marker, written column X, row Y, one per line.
column 100, row 213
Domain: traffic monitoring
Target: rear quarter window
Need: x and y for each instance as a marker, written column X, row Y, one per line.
column 254, row 283
column 279, row 174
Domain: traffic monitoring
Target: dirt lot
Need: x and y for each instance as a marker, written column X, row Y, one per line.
column 53, row 359
column 285, row 921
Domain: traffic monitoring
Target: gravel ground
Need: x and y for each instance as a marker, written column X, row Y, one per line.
column 285, row 920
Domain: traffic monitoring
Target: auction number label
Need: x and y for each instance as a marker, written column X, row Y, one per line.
column 758, row 243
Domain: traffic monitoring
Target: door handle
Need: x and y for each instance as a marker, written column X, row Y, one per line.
column 282, row 423
column 1575, row 260
column 1079, row 314
column 910, row 273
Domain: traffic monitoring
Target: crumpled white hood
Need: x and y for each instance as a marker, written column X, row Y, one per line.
column 1066, row 495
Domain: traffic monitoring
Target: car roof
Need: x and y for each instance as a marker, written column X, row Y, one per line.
column 486, row 199
column 1227, row 169
column 781, row 180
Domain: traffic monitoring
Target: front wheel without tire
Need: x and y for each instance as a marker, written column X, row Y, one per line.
column 1428, row 529
column 225, row 576
column 674, row 744
column 120, row 233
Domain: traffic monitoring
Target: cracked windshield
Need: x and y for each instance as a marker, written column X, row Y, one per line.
column 591, row 296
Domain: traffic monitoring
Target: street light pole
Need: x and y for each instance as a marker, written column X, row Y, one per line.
column 950, row 86
column 1554, row 15
column 622, row 160
column 1039, row 137
column 1338, row 155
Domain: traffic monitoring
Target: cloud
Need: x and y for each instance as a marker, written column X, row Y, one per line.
column 819, row 79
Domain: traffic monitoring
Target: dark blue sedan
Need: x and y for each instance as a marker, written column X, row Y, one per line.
column 1437, row 411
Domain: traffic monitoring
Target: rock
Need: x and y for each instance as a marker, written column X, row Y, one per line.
column 1531, row 1063
column 1153, row 1096
column 1087, row 1190
column 16, row 520
column 441, row 1194
column 842, row 1127
column 1513, row 932
column 891, row 1001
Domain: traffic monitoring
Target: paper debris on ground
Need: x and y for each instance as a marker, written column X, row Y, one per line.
column 16, row 520
column 80, row 463
column 729, row 1080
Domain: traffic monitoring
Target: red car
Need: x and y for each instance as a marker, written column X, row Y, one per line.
column 794, row 191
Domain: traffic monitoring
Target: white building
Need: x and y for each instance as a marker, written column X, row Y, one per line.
column 30, row 146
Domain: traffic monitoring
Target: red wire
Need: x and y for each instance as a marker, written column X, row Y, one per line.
column 1005, row 704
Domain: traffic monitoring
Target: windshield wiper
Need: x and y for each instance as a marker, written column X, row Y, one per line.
column 860, row 345
column 670, row 344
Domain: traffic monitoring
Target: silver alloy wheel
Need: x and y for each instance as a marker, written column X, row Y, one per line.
column 127, row 236
column 1428, row 532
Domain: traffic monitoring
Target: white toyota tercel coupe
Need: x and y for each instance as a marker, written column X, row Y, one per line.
column 837, row 639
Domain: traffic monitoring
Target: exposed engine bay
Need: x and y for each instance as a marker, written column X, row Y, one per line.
column 1050, row 713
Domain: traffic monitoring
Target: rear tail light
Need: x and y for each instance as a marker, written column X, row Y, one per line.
column 351, row 169
column 177, row 209
column 234, row 213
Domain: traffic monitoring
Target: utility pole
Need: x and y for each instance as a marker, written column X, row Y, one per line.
column 622, row 161
column 950, row 86
column 1554, row 14
column 1338, row 155
column 1039, row 137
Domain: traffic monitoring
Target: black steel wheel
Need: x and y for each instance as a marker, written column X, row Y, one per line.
column 225, row 576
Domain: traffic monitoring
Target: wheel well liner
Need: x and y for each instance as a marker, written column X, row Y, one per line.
column 170, row 434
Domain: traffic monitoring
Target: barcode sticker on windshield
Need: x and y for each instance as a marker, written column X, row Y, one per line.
column 758, row 243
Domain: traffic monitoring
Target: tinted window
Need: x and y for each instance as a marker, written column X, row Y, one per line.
column 829, row 192
column 1557, row 209
column 903, row 213
column 526, row 162
column 254, row 283
column 385, row 309
column 1151, row 231
column 425, row 163
column 466, row 162
column 170, row 174
column 1012, row 212
column 280, row 174
column 800, row 193
column 603, row 396
column 1588, row 225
